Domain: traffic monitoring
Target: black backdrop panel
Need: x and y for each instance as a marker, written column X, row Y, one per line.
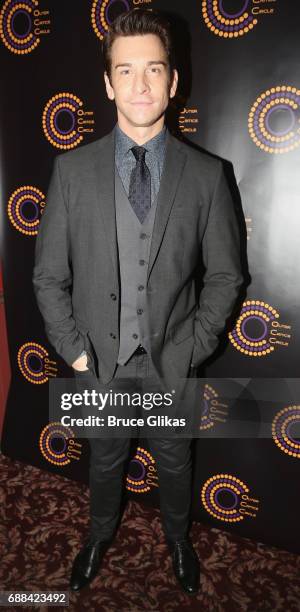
column 238, row 98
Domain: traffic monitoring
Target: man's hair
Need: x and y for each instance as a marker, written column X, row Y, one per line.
column 137, row 22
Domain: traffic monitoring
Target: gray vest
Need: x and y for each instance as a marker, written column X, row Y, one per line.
column 134, row 241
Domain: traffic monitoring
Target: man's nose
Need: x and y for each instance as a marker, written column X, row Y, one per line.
column 140, row 83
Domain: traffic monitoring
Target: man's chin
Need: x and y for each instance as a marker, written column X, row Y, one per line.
column 142, row 121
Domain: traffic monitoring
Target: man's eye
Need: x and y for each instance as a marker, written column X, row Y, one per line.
column 127, row 71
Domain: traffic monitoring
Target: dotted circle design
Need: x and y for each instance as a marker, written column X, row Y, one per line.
column 284, row 99
column 100, row 15
column 142, row 460
column 17, row 43
column 51, row 432
column 209, row 394
column 210, row 497
column 281, row 430
column 25, row 354
column 240, row 337
column 62, row 103
column 224, row 24
column 16, row 209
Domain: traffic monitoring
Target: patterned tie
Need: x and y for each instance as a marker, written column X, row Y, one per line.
column 140, row 185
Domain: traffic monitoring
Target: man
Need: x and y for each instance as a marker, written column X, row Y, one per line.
column 127, row 219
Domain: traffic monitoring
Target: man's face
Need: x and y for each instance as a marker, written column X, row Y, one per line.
column 140, row 80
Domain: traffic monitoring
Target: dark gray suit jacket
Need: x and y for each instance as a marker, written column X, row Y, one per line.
column 76, row 274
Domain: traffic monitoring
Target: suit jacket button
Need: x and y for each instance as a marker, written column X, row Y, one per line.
column 113, row 296
column 112, row 335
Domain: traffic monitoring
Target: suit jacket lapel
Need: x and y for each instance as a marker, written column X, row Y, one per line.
column 174, row 163
column 104, row 168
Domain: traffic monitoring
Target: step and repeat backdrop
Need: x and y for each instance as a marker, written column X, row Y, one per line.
column 239, row 99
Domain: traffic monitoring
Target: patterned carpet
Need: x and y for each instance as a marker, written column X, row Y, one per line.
column 44, row 522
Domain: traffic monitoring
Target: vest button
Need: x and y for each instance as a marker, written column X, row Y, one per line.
column 113, row 296
column 140, row 311
column 141, row 287
column 135, row 336
column 142, row 262
column 143, row 236
column 112, row 335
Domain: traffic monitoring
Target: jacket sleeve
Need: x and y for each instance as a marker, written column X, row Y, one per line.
column 52, row 275
column 223, row 275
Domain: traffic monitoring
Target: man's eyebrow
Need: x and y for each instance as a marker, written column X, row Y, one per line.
column 150, row 63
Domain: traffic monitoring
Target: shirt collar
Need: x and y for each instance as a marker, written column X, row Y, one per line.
column 124, row 142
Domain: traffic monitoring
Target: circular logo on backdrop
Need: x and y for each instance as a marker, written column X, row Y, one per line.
column 104, row 12
column 234, row 18
column 24, row 209
column 282, row 430
column 223, row 23
column 142, row 472
column 274, row 119
column 57, row 444
column 65, row 121
column 214, row 410
column 22, row 24
column 257, row 330
column 34, row 363
column 226, row 498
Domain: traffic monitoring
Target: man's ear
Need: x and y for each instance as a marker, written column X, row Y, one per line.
column 174, row 83
column 109, row 89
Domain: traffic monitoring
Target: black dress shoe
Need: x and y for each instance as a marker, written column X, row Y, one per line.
column 87, row 562
column 186, row 565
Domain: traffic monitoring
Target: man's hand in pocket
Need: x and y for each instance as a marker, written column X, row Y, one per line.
column 80, row 363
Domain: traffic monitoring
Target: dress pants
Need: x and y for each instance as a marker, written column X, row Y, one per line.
column 107, row 475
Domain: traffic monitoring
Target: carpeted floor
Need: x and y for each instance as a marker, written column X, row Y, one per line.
column 44, row 520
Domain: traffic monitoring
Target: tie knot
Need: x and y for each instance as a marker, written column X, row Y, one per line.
column 139, row 153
